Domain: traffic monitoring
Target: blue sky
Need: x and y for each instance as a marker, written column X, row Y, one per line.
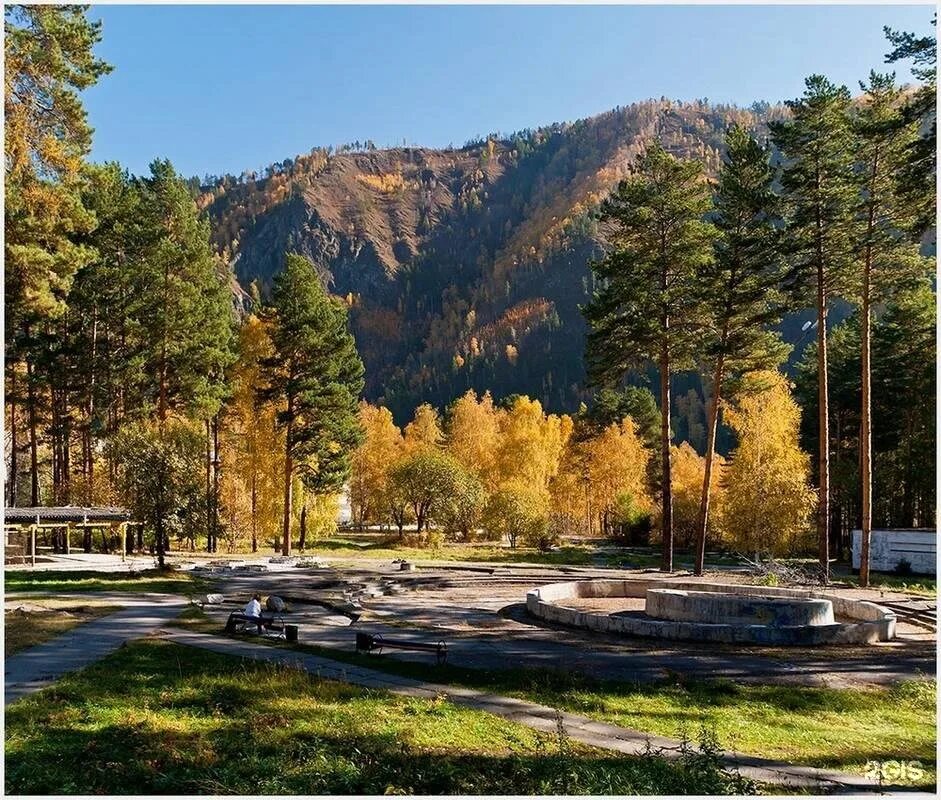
column 226, row 88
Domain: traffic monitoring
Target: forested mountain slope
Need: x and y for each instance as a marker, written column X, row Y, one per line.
column 463, row 267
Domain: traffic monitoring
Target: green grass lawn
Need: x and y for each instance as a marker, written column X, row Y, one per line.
column 837, row 728
column 45, row 619
column 911, row 584
column 150, row 580
column 164, row 719
column 572, row 554
column 339, row 548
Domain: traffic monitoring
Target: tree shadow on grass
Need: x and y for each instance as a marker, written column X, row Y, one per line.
column 245, row 756
column 162, row 719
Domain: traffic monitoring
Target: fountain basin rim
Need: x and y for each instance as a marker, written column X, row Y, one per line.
column 868, row 623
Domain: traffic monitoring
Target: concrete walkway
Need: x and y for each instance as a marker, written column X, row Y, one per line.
column 533, row 715
column 32, row 669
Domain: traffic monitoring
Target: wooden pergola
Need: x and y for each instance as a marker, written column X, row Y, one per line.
column 60, row 522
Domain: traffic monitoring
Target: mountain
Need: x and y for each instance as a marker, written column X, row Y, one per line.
column 464, row 268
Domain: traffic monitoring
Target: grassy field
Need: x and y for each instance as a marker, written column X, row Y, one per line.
column 912, row 584
column 164, row 719
column 45, row 619
column 150, row 580
column 837, row 728
column 349, row 548
column 357, row 546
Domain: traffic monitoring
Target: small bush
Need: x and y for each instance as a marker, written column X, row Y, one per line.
column 632, row 524
column 519, row 513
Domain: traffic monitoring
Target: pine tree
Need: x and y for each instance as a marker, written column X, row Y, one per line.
column 646, row 309
column 885, row 256
column 820, row 198
column 917, row 180
column 316, row 376
column 48, row 60
column 904, row 362
column 106, row 338
column 182, row 301
column 741, row 290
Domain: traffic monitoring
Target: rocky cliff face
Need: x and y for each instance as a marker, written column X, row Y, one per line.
column 464, row 268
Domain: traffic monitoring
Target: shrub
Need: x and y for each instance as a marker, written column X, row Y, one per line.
column 632, row 524
column 518, row 512
column 459, row 511
column 904, row 567
column 425, row 482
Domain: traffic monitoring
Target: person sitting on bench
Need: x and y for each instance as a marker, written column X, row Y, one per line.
column 253, row 610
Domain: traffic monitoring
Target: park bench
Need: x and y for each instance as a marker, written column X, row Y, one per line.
column 374, row 643
column 266, row 624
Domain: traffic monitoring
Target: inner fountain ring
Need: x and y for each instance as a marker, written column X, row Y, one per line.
column 681, row 605
column 710, row 612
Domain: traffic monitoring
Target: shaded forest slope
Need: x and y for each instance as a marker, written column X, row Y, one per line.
column 464, row 268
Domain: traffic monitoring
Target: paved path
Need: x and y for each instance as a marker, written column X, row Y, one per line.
column 32, row 669
column 533, row 715
column 486, row 627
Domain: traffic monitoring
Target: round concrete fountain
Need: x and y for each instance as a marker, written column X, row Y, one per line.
column 732, row 613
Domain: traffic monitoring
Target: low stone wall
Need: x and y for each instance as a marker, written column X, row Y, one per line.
column 889, row 547
column 870, row 622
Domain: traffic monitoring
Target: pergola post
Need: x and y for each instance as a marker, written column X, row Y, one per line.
column 32, row 543
column 68, row 536
column 122, row 530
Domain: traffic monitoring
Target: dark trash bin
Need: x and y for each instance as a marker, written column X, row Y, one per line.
column 290, row 633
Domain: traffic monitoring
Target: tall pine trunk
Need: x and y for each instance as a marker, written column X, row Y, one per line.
column 666, row 525
column 288, row 472
column 254, row 510
column 33, row 434
column 703, row 521
column 11, row 480
column 216, row 476
column 865, row 417
column 89, row 443
column 823, row 441
column 208, row 487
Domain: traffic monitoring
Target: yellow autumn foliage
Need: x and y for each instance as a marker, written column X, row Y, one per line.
column 531, row 443
column 688, row 470
column 474, row 435
column 768, row 500
column 386, row 183
column 252, row 448
column 372, row 461
column 424, row 431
